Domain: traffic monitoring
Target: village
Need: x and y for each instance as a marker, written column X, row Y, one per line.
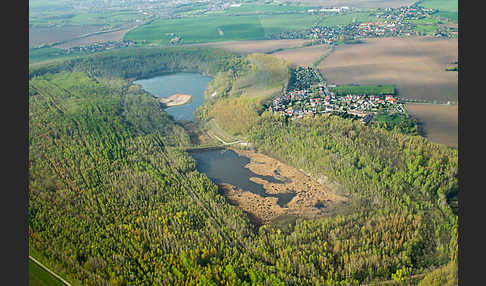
column 395, row 23
column 100, row 46
column 318, row 99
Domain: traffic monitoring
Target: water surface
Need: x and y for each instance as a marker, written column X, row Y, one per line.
column 226, row 166
column 184, row 82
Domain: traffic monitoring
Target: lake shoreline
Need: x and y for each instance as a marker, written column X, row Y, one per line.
column 179, row 93
column 287, row 191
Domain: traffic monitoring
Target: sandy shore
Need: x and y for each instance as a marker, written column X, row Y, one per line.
column 312, row 199
column 176, row 99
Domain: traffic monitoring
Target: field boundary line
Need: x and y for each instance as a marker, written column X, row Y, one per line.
column 51, row 272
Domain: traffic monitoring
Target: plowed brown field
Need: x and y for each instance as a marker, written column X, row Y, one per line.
column 248, row 47
column 439, row 122
column 415, row 65
column 302, row 56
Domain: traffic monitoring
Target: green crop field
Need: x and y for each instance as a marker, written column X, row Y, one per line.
column 281, row 23
column 267, row 9
column 102, row 18
column 426, row 25
column 447, row 8
column 220, row 28
column 200, row 29
column 364, row 89
column 37, row 55
column 61, row 13
column 40, row 277
column 345, row 19
column 454, row 16
column 442, row 5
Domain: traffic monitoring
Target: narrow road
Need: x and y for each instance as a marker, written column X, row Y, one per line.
column 48, row 270
column 222, row 141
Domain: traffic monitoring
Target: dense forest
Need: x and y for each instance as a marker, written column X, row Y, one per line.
column 113, row 199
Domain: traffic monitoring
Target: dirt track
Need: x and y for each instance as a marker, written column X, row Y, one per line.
column 302, row 56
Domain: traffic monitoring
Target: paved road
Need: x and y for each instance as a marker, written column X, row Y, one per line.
column 48, row 270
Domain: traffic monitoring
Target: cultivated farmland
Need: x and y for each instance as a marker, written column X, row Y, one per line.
column 47, row 35
column 355, row 3
column 116, row 35
column 415, row 65
column 206, row 29
column 302, row 56
column 260, row 46
column 439, row 122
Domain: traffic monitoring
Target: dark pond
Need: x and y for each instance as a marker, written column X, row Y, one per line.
column 187, row 83
column 226, row 166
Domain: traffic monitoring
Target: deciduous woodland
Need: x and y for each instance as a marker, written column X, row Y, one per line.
column 114, row 199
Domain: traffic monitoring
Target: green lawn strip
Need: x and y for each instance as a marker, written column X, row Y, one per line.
column 427, row 25
column 453, row 16
column 364, row 89
column 321, row 58
column 38, row 276
column 42, row 259
column 37, row 55
column 214, row 129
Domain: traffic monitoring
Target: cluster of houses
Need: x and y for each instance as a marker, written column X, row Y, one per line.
column 394, row 23
column 412, row 12
column 101, row 46
column 330, row 10
column 309, row 102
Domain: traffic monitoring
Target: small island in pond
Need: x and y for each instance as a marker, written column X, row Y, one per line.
column 176, row 99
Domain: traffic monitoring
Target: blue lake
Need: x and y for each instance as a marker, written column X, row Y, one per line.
column 184, row 82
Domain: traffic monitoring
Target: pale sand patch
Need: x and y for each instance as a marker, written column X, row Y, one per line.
column 176, row 99
column 312, row 199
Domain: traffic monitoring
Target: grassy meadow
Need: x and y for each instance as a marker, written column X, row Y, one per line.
column 447, row 8
column 348, row 18
column 266, row 9
column 40, row 277
column 364, row 89
column 252, row 26
column 37, row 55
column 443, row 5
column 219, row 28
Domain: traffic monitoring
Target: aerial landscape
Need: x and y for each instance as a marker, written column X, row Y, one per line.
column 243, row 142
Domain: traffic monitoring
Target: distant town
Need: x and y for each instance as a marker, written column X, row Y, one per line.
column 395, row 23
column 101, row 46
